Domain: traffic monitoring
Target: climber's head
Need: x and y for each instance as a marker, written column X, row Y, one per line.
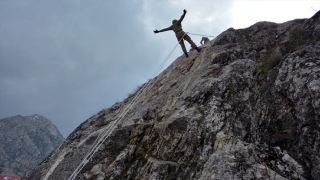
column 174, row 21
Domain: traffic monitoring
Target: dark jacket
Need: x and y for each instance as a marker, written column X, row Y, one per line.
column 176, row 27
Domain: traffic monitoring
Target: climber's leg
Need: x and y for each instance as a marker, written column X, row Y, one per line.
column 187, row 38
column 183, row 47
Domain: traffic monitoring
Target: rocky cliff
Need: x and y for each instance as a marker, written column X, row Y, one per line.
column 245, row 107
column 24, row 142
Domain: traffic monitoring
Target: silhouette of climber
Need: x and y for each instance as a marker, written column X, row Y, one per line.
column 177, row 28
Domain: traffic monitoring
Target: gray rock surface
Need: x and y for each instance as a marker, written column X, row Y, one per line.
column 25, row 141
column 245, row 107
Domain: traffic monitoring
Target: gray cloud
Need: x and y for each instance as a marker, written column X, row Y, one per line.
column 67, row 60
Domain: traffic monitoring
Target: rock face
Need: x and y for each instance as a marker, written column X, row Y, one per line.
column 246, row 107
column 24, row 142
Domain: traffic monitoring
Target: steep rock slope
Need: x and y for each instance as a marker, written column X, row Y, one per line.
column 246, row 107
column 25, row 141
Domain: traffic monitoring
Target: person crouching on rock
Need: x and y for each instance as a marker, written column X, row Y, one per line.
column 177, row 28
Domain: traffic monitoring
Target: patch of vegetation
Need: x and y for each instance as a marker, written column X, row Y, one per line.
column 147, row 117
column 298, row 34
column 158, row 117
column 268, row 64
column 274, row 60
column 297, row 37
column 261, row 70
column 135, row 120
column 151, row 116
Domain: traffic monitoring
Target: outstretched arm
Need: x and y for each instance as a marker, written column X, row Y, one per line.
column 182, row 17
column 162, row 30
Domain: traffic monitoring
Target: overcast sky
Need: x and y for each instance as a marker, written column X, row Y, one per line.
column 68, row 59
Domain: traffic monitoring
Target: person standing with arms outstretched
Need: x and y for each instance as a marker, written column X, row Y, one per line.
column 177, row 28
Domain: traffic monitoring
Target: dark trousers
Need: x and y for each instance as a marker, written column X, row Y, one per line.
column 188, row 39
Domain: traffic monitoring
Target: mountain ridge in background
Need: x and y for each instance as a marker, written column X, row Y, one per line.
column 25, row 141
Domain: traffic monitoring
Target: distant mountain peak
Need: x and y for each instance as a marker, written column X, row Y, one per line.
column 25, row 141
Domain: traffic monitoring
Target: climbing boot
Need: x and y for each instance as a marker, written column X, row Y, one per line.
column 198, row 49
column 186, row 55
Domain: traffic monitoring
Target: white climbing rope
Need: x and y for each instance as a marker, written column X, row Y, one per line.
column 201, row 35
column 106, row 133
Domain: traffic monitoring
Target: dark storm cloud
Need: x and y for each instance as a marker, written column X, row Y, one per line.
column 66, row 60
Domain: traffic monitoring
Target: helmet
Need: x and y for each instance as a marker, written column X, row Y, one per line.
column 174, row 21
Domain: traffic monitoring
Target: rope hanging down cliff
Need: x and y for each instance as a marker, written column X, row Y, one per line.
column 106, row 133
